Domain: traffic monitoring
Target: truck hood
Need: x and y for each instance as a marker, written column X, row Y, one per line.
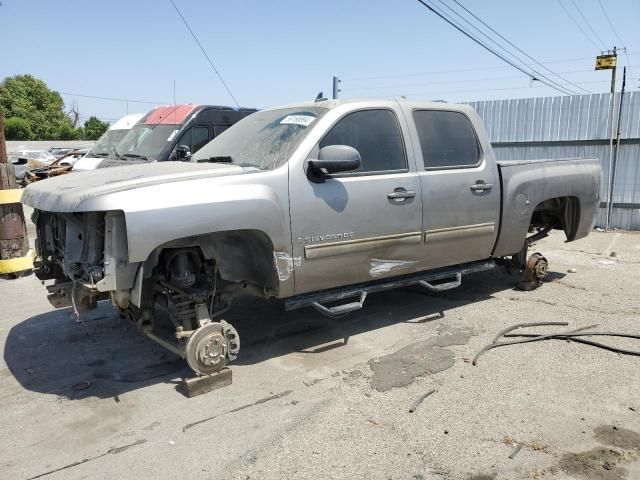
column 65, row 193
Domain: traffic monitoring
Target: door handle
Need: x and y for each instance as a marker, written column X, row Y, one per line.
column 401, row 194
column 481, row 187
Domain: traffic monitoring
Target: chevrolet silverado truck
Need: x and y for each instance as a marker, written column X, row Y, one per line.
column 318, row 203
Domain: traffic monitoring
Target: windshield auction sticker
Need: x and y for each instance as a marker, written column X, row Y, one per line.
column 173, row 134
column 303, row 120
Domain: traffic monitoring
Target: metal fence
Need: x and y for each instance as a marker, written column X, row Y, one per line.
column 569, row 127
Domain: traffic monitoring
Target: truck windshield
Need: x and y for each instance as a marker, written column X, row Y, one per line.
column 264, row 140
column 106, row 143
column 146, row 140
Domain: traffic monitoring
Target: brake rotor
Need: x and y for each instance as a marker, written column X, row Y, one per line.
column 206, row 350
column 536, row 267
column 534, row 273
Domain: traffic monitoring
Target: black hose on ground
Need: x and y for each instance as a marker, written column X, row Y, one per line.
column 503, row 333
column 572, row 338
column 537, row 338
column 567, row 336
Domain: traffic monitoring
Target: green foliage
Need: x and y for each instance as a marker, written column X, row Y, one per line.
column 67, row 132
column 26, row 97
column 94, row 128
column 17, row 129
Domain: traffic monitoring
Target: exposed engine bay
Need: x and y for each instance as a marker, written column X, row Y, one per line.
column 180, row 298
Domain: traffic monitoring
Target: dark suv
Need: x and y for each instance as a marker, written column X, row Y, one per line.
column 173, row 133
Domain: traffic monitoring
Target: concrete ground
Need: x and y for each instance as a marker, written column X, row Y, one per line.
column 314, row 398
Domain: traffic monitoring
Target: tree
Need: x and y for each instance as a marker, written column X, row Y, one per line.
column 26, row 97
column 94, row 128
column 17, row 129
column 67, row 132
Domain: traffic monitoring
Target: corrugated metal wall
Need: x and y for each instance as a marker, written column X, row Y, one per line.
column 569, row 127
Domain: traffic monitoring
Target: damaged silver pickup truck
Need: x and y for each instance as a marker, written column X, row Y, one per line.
column 316, row 203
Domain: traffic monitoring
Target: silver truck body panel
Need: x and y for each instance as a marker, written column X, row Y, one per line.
column 522, row 191
column 165, row 201
column 459, row 224
column 346, row 230
column 340, row 232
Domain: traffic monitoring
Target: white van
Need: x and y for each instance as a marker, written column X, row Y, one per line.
column 105, row 144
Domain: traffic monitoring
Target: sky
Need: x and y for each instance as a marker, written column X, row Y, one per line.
column 279, row 51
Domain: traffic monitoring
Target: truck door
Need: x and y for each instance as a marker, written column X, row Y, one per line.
column 363, row 225
column 460, row 188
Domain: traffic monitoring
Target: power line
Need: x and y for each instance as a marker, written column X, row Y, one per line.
column 588, row 24
column 205, row 54
column 466, row 80
column 112, row 98
column 431, row 94
column 515, row 46
column 461, row 70
column 104, row 119
column 615, row 32
column 486, row 47
column 610, row 23
column 513, row 56
column 577, row 24
column 536, row 74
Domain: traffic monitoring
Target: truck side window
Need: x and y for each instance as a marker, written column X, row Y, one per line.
column 218, row 129
column 447, row 139
column 199, row 138
column 185, row 139
column 375, row 134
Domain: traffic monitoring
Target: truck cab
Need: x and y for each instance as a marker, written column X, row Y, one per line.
column 173, row 133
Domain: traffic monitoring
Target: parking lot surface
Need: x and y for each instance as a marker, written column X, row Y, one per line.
column 319, row 398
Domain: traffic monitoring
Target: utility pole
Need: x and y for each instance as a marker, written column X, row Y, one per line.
column 608, row 61
column 336, row 87
column 610, row 169
column 613, row 70
column 14, row 245
column 617, row 146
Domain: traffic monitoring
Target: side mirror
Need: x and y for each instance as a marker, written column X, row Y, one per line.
column 334, row 159
column 183, row 153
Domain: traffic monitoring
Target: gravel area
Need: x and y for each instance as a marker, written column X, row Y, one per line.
column 314, row 398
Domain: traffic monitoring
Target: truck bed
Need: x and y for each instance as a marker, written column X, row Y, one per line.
column 527, row 183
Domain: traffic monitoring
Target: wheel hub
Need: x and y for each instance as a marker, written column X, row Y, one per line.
column 540, row 268
column 535, row 271
column 212, row 351
column 206, row 350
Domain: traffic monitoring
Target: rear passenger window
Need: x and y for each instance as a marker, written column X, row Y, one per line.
column 446, row 138
column 375, row 134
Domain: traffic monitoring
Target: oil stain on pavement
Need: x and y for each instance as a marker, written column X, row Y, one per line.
column 400, row 368
column 604, row 463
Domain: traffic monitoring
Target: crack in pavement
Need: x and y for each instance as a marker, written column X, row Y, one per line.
column 262, row 400
column 575, row 307
column 111, row 451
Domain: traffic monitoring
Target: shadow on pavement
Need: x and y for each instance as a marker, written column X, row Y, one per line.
column 103, row 356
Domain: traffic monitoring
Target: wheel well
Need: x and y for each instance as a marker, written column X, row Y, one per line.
column 561, row 213
column 239, row 255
